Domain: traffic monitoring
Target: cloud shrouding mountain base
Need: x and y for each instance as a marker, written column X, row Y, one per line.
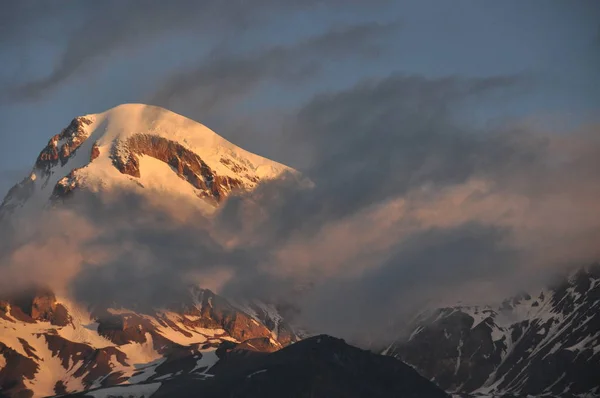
column 410, row 205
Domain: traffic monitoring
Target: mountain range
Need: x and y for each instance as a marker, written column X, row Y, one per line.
column 205, row 344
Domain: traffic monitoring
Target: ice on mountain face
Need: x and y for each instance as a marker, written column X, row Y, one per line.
column 133, row 391
column 257, row 372
column 208, row 360
column 145, row 371
column 415, row 332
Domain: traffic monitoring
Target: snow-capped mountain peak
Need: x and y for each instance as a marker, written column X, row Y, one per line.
column 136, row 146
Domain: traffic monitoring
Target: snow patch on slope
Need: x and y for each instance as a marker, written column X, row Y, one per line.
column 131, row 391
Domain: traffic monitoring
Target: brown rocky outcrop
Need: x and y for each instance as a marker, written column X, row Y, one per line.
column 65, row 186
column 5, row 309
column 48, row 157
column 18, row 314
column 71, row 138
column 89, row 362
column 37, row 304
column 188, row 165
column 123, row 328
column 216, row 311
column 95, row 152
column 17, row 369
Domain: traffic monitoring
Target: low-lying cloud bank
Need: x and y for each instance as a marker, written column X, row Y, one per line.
column 410, row 206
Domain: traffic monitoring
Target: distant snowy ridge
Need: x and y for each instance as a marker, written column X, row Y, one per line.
column 542, row 344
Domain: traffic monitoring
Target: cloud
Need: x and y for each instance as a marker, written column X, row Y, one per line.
column 411, row 206
column 412, row 203
column 381, row 138
column 93, row 31
column 224, row 77
column 8, row 178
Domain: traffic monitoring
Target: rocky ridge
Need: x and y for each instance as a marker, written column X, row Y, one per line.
column 542, row 344
column 50, row 346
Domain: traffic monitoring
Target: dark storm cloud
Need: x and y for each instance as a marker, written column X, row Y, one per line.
column 92, row 30
column 225, row 77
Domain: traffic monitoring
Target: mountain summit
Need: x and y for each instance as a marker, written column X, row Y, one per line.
column 136, row 146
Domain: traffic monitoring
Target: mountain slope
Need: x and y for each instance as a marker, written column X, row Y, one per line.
column 137, row 146
column 546, row 343
column 51, row 346
column 206, row 347
column 320, row 366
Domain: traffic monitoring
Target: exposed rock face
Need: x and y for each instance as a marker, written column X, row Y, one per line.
column 63, row 145
column 206, row 311
column 542, row 344
column 277, row 318
column 123, row 328
column 95, row 152
column 44, row 307
column 35, row 305
column 91, row 364
column 65, row 186
column 240, row 325
column 188, row 165
column 17, row 368
column 57, row 152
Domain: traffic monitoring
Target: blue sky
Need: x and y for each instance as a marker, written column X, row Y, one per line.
column 553, row 45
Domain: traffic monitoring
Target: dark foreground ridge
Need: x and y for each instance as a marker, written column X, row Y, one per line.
column 320, row 366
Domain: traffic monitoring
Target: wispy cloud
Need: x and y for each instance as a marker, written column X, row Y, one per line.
column 92, row 31
column 226, row 77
